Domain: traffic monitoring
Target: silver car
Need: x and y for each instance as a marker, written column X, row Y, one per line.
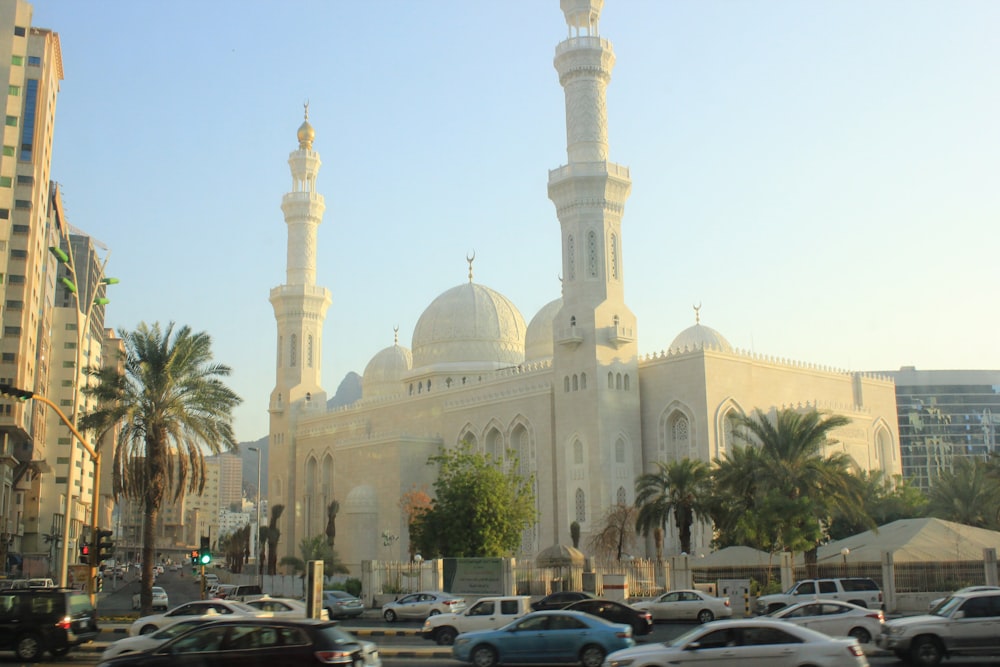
column 341, row 604
column 421, row 605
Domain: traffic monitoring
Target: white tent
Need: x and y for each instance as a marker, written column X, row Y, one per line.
column 912, row 540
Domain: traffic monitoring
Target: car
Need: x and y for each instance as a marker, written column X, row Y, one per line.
column 686, row 605
column 616, row 612
column 39, row 620
column 149, row 624
column 961, row 591
column 963, row 625
column 257, row 641
column 740, row 643
column 560, row 600
column 545, row 636
column 283, row 607
column 241, row 592
column 211, row 579
column 834, row 618
column 152, row 640
column 220, row 591
column 341, row 604
column 861, row 591
column 421, row 605
column 160, row 599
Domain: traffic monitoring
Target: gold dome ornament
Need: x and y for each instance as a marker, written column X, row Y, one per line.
column 306, row 133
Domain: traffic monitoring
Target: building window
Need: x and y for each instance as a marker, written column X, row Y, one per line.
column 17, row 60
column 14, row 91
column 618, row 381
column 8, row 151
column 581, row 506
column 620, row 451
column 309, row 351
column 15, row 279
column 28, row 128
column 6, row 181
column 566, row 383
column 576, row 382
column 627, row 382
column 70, row 345
column 614, row 256
column 592, row 254
column 19, row 31
column 9, row 357
column 577, row 452
column 25, row 180
column 13, row 332
column 69, row 364
column 583, row 380
column 622, row 498
column 10, row 121
column 34, row 60
column 22, row 204
column 570, row 258
column 17, row 253
column 294, row 351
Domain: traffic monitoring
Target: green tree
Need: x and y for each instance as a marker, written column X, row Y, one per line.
column 798, row 488
column 481, row 506
column 171, row 406
column 332, row 510
column 885, row 498
column 315, row 548
column 574, row 534
column 679, row 489
column 734, row 499
column 966, row 494
column 235, row 547
column 615, row 533
column 270, row 536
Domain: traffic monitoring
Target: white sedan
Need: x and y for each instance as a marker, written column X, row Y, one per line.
column 745, row 643
column 150, row 624
column 160, row 599
column 834, row 618
column 283, row 607
column 686, row 605
column 144, row 642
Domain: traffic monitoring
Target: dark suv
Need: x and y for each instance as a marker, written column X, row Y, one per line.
column 37, row 620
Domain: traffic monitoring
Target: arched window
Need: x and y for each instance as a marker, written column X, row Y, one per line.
column 572, row 320
column 611, row 380
column 281, row 349
column 309, row 351
column 577, row 452
column 566, row 383
column 581, row 506
column 680, row 437
column 293, row 351
column 621, row 497
column 614, row 257
column 447, row 382
column 494, row 444
column 620, row 450
column 576, row 382
column 592, row 254
column 428, row 385
column 583, row 380
column 618, row 381
column 626, row 382
column 420, row 388
column 411, row 389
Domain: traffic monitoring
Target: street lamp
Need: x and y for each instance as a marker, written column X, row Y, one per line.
column 83, row 319
column 260, row 571
column 844, row 553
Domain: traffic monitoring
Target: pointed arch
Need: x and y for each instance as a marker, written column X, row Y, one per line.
column 521, row 439
column 622, row 496
column 326, row 479
column 468, row 434
column 725, row 423
column 493, row 441
column 309, row 498
column 886, row 449
column 578, row 458
column 620, row 454
column 677, row 433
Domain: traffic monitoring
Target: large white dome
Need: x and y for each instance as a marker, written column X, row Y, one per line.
column 538, row 340
column 385, row 372
column 700, row 336
column 469, row 327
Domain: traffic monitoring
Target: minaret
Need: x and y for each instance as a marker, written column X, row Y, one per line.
column 595, row 356
column 299, row 308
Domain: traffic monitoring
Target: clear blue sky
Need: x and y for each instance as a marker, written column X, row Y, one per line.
column 821, row 176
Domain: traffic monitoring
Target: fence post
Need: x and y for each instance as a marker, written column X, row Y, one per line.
column 787, row 571
column 990, row 565
column 368, row 581
column 888, row 582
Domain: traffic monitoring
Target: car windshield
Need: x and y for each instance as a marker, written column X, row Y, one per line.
column 79, row 604
column 948, row 606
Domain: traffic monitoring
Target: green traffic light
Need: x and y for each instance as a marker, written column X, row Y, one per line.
column 205, row 558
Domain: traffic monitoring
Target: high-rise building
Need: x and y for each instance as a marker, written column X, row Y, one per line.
column 945, row 415
column 230, row 480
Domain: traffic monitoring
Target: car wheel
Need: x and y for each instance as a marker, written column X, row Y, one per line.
column 28, row 647
column 435, row 612
column 389, row 616
column 445, row 636
column 147, row 630
column 862, row 635
column 484, row 656
column 705, row 616
column 926, row 652
column 592, row 656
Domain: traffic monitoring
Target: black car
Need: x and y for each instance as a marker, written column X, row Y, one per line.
column 616, row 612
column 560, row 600
column 36, row 620
column 256, row 641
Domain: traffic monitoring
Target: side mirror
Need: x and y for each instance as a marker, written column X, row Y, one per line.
column 693, row 646
column 958, row 614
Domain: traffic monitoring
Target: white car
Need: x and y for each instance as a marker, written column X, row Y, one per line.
column 150, row 624
column 745, row 643
column 968, row 589
column 160, row 599
column 283, row 607
column 686, row 605
column 144, row 642
column 421, row 605
column 834, row 618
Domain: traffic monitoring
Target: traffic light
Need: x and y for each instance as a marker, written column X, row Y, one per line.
column 13, row 392
column 205, row 553
column 194, row 556
column 105, row 547
column 84, row 553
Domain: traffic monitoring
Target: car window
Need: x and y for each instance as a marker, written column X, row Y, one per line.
column 859, row 585
column 409, row 598
column 78, row 604
column 43, row 604
column 806, row 588
column 802, row 612
column 767, row 636
column 243, row 637
column 670, row 597
column 561, row 622
column 8, row 605
column 978, row 608
column 834, row 609
column 533, row 623
column 176, row 629
column 482, row 609
column 827, row 587
column 208, row 638
column 720, row 638
column 508, row 606
column 293, row 637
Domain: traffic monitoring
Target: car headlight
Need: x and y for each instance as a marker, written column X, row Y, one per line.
column 459, row 641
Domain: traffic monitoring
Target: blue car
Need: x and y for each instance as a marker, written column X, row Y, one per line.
column 545, row 636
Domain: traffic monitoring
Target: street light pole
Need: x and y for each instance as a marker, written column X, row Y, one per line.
column 260, row 571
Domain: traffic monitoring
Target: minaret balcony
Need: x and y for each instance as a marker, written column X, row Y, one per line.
column 570, row 336
column 619, row 335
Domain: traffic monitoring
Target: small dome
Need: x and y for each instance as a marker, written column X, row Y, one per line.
column 699, row 336
column 538, row 339
column 385, row 372
column 306, row 134
column 361, row 500
column 469, row 327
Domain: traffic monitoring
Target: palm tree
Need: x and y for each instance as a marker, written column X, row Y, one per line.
column 966, row 494
column 171, row 405
column 799, row 488
column 680, row 488
column 273, row 535
column 331, row 522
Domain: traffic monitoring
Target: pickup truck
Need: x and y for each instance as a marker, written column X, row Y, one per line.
column 487, row 614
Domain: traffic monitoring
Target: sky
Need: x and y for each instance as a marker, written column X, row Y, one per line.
column 822, row 177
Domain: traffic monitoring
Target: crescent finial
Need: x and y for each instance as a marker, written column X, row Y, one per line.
column 395, row 335
column 470, row 260
column 305, row 105
column 697, row 315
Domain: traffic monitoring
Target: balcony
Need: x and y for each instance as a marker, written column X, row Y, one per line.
column 570, row 336
column 619, row 335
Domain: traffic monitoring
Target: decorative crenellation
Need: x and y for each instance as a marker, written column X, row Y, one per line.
column 513, row 391
column 827, row 406
column 757, row 356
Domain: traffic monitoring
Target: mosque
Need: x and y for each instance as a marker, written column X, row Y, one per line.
column 567, row 391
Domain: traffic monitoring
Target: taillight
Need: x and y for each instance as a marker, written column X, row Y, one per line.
column 855, row 650
column 648, row 616
column 624, row 635
column 450, row 602
column 332, row 656
column 66, row 623
column 878, row 614
column 726, row 602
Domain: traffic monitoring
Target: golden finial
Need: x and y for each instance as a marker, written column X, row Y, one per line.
column 305, row 105
column 395, row 335
column 470, row 260
column 697, row 316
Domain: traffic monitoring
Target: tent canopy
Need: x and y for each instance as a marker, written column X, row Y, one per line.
column 913, row 541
